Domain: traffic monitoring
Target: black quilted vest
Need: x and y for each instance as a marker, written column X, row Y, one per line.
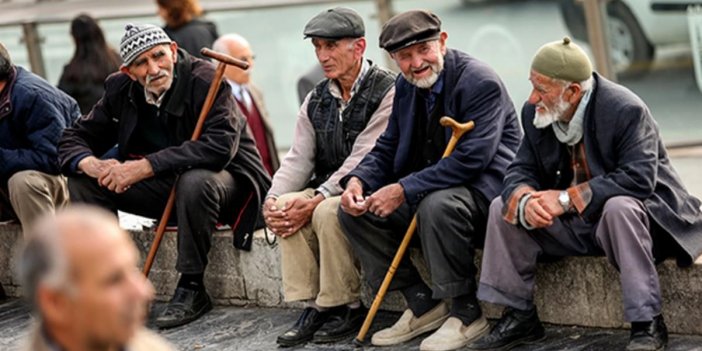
column 335, row 134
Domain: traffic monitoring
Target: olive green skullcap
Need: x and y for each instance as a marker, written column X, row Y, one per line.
column 563, row 60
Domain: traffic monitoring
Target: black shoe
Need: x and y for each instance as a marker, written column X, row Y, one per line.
column 309, row 322
column 186, row 306
column 514, row 328
column 342, row 323
column 648, row 336
column 2, row 293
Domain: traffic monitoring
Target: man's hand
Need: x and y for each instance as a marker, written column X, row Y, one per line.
column 94, row 167
column 352, row 201
column 120, row 177
column 542, row 208
column 549, row 201
column 274, row 217
column 298, row 213
column 290, row 219
column 386, row 200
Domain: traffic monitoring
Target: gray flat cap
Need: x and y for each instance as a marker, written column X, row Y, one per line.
column 336, row 23
column 409, row 28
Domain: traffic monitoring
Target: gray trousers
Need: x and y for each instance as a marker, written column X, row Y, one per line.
column 450, row 223
column 622, row 234
column 203, row 198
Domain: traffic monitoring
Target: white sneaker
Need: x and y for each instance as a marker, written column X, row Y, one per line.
column 409, row 326
column 453, row 335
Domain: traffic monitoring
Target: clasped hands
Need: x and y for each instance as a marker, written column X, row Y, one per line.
column 542, row 208
column 381, row 203
column 114, row 175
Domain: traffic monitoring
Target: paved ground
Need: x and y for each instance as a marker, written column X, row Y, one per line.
column 229, row 329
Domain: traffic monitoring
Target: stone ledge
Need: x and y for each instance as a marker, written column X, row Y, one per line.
column 580, row 291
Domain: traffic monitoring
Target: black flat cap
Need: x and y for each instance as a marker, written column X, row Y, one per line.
column 336, row 23
column 409, row 28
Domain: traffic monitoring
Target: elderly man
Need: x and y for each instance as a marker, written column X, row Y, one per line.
column 87, row 294
column 337, row 125
column 404, row 174
column 150, row 110
column 33, row 115
column 591, row 178
column 249, row 98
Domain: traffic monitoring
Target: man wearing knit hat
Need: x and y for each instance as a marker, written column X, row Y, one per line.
column 149, row 111
column 404, row 174
column 591, row 177
column 338, row 123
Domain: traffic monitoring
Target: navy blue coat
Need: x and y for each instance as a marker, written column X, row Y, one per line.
column 626, row 157
column 33, row 114
column 472, row 92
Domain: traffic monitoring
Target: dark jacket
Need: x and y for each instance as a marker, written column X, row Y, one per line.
column 33, row 114
column 225, row 142
column 625, row 156
column 193, row 36
column 472, row 92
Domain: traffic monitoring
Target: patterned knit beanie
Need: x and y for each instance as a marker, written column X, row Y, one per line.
column 139, row 38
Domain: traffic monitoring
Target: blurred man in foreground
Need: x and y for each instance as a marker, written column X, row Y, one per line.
column 87, row 294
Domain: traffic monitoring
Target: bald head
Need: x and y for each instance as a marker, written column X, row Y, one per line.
column 80, row 270
column 238, row 47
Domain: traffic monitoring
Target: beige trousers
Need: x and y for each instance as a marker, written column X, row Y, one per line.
column 33, row 193
column 317, row 260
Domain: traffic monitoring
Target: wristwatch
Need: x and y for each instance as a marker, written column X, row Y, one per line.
column 564, row 200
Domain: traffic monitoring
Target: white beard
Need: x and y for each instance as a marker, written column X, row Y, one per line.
column 428, row 82
column 547, row 117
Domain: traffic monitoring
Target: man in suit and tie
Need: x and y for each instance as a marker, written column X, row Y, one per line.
column 249, row 98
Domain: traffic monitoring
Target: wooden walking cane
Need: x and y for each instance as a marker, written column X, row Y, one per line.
column 457, row 132
column 224, row 60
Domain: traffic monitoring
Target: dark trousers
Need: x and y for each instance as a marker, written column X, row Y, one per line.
column 450, row 224
column 203, row 198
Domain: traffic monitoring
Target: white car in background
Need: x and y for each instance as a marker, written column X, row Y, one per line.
column 636, row 27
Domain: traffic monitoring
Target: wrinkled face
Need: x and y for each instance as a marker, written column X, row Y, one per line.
column 550, row 100
column 422, row 63
column 338, row 58
column 244, row 53
column 108, row 299
column 153, row 69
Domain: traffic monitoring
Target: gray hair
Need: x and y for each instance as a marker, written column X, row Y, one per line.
column 585, row 85
column 44, row 262
column 5, row 63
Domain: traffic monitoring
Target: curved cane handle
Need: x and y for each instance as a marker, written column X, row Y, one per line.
column 457, row 131
column 224, row 58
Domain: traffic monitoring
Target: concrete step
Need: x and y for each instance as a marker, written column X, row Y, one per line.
column 582, row 291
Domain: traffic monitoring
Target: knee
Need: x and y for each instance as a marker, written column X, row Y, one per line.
column 496, row 206
column 440, row 201
column 27, row 182
column 324, row 212
column 622, row 207
column 196, row 184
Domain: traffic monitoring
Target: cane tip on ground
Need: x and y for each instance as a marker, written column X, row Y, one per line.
column 358, row 343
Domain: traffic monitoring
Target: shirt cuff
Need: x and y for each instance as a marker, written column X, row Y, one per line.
column 322, row 190
column 76, row 161
column 522, row 207
column 580, row 196
column 510, row 212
